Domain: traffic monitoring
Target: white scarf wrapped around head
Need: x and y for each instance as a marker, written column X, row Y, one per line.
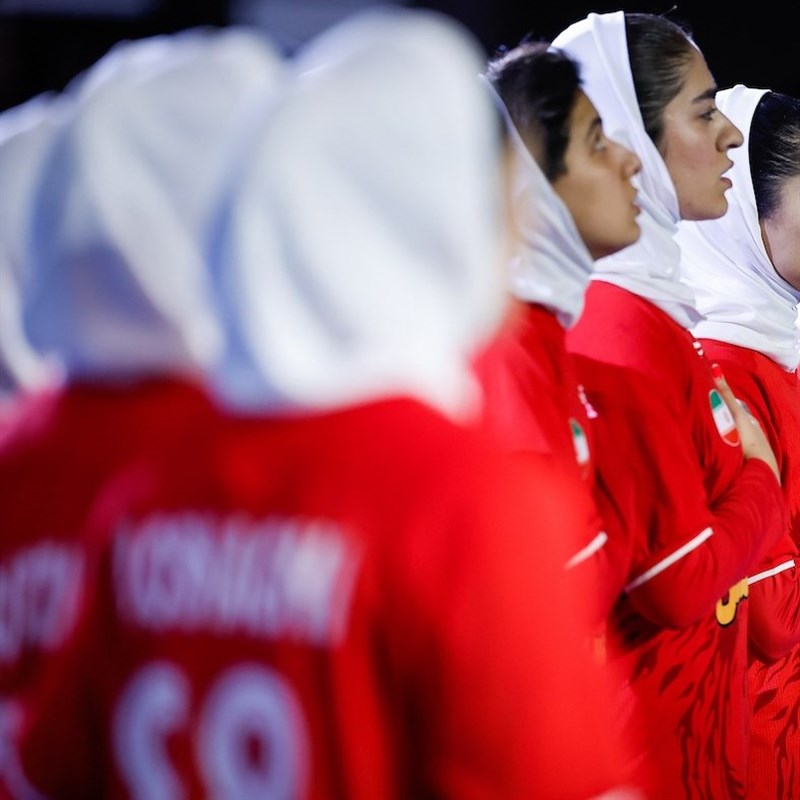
column 651, row 266
column 116, row 284
column 27, row 132
column 357, row 254
column 742, row 298
column 551, row 264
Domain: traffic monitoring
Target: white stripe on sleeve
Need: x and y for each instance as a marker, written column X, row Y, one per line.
column 590, row 549
column 658, row 568
column 769, row 573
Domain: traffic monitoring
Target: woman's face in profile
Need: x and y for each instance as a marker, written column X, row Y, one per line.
column 596, row 186
column 695, row 144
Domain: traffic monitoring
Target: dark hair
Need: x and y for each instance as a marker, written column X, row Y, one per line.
column 539, row 86
column 774, row 148
column 660, row 51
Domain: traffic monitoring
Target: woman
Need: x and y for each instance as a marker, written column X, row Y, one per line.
column 109, row 258
column 573, row 202
column 696, row 483
column 367, row 598
column 744, row 269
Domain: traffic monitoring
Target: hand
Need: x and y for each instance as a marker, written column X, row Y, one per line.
column 754, row 441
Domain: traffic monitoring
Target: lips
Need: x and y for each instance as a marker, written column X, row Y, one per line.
column 726, row 171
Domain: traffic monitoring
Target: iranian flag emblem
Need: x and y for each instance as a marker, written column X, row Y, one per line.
column 723, row 418
column 580, row 442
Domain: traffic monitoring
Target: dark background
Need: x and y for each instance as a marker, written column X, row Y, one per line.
column 44, row 43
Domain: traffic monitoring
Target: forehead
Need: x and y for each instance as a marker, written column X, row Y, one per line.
column 582, row 116
column 697, row 81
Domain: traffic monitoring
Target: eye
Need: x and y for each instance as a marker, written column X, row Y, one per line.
column 709, row 115
column 599, row 142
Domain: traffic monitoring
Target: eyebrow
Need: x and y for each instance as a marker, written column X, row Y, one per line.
column 708, row 94
column 593, row 126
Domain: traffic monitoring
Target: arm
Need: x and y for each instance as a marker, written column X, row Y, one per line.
column 774, row 584
column 691, row 546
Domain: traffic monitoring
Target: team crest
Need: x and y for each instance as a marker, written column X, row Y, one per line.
column 723, row 418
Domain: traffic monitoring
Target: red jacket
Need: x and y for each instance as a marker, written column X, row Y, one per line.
column 773, row 396
column 701, row 519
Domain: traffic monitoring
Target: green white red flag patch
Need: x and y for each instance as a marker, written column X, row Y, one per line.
column 723, row 418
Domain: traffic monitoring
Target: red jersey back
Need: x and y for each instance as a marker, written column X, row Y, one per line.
column 368, row 603
column 56, row 452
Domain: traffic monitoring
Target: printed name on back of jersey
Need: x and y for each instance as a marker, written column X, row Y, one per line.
column 267, row 578
column 40, row 591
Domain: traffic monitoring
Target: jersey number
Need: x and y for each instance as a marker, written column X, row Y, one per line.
column 249, row 709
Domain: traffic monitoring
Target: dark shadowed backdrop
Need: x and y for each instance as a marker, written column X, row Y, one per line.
column 44, row 43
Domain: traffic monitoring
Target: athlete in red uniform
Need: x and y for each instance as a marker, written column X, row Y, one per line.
column 573, row 203
column 670, row 442
column 745, row 271
column 113, row 290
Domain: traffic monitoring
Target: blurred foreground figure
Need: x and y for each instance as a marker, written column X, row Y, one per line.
column 341, row 589
column 26, row 132
column 108, row 267
column 744, row 269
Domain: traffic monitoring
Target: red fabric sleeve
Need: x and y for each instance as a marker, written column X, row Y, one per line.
column 689, row 549
column 774, row 615
column 774, row 585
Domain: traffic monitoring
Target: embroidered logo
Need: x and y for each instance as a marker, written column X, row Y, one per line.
column 723, row 419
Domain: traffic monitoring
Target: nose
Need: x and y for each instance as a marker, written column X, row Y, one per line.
column 631, row 163
column 731, row 135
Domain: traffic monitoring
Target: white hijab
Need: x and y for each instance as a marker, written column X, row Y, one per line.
column 116, row 284
column 650, row 267
column 551, row 265
column 357, row 255
column 742, row 298
column 27, row 132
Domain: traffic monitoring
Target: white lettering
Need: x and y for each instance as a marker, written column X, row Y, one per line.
column 39, row 591
column 268, row 578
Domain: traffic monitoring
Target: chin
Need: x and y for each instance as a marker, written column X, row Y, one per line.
column 713, row 210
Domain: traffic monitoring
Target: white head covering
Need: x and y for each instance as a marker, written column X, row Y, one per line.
column 651, row 266
column 551, row 265
column 358, row 253
column 742, row 298
column 117, row 285
column 26, row 134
